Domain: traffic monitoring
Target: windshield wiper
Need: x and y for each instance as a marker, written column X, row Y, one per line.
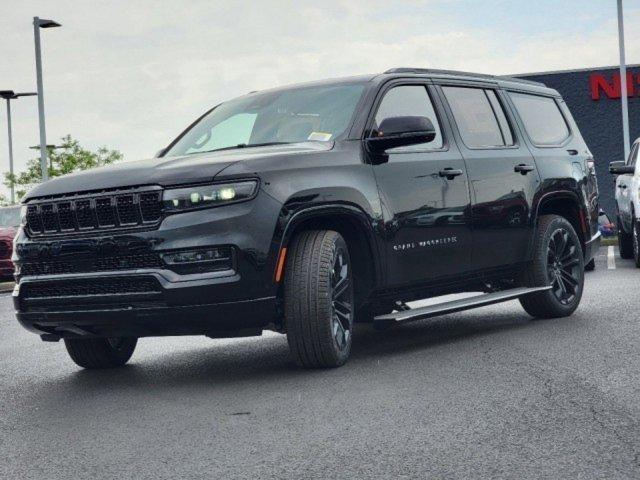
column 243, row 145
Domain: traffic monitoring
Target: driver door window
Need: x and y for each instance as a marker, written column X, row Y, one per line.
column 409, row 101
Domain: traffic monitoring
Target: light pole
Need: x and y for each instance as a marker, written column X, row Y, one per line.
column 623, row 82
column 9, row 95
column 39, row 23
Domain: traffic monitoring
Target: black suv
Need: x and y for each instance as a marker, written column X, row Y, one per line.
column 308, row 208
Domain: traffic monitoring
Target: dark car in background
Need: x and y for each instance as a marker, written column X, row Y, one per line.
column 307, row 208
column 9, row 223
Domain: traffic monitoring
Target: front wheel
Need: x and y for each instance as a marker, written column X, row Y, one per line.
column 557, row 262
column 97, row 353
column 318, row 297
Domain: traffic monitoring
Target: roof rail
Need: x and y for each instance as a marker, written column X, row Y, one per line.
column 436, row 71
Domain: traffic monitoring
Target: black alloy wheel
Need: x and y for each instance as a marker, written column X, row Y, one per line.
column 563, row 266
column 341, row 299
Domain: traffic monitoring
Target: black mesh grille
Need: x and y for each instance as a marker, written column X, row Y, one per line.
column 150, row 206
column 84, row 214
column 87, row 265
column 102, row 211
column 66, row 217
column 49, row 217
column 128, row 211
column 97, row 286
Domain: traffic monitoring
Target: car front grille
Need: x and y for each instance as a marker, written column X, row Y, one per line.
column 92, row 264
column 104, row 293
column 93, row 286
column 115, row 210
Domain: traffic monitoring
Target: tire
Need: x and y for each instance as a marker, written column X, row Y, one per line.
column 591, row 266
column 635, row 240
column 625, row 242
column 318, row 316
column 98, row 353
column 557, row 261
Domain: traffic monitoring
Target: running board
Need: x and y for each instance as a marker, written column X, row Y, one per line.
column 457, row 305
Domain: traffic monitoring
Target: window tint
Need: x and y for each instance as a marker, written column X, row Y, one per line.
column 409, row 101
column 542, row 118
column 507, row 134
column 474, row 116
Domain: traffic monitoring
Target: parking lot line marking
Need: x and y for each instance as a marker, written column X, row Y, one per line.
column 611, row 259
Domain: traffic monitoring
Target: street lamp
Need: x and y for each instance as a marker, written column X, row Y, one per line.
column 39, row 23
column 9, row 95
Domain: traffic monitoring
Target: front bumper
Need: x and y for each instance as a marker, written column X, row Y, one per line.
column 155, row 301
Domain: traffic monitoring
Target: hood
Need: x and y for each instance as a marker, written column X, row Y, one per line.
column 166, row 171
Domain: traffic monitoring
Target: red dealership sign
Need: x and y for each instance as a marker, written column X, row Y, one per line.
column 611, row 87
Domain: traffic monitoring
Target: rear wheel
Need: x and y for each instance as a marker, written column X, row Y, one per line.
column 625, row 242
column 95, row 353
column 319, row 299
column 558, row 262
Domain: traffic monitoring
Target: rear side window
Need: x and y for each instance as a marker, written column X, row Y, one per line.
column 542, row 118
column 409, row 101
column 478, row 117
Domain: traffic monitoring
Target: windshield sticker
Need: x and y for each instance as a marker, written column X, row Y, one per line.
column 319, row 136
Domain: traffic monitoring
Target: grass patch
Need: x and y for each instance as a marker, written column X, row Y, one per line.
column 610, row 242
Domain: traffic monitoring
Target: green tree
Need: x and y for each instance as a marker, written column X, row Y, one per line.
column 66, row 158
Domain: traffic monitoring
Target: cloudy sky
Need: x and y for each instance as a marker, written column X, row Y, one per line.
column 131, row 74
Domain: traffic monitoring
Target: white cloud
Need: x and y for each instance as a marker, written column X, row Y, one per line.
column 132, row 75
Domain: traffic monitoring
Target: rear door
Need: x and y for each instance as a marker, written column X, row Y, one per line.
column 427, row 224
column 501, row 171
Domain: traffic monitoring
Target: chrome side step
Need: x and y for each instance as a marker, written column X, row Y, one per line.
column 457, row 305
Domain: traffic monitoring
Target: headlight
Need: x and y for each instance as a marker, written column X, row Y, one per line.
column 201, row 196
column 23, row 215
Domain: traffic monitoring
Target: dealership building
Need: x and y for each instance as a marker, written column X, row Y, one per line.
column 593, row 96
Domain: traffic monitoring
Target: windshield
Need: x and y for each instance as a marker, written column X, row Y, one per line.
column 320, row 113
column 9, row 217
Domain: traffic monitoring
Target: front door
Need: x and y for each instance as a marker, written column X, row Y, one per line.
column 425, row 195
column 502, row 173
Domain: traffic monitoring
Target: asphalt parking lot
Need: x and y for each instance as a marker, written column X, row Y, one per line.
column 480, row 394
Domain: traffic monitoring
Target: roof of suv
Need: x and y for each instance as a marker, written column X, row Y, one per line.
column 502, row 80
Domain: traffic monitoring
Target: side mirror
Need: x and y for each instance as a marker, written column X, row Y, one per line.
column 400, row 132
column 621, row 168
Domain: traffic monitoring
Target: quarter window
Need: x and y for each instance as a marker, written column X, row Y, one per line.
column 410, row 101
column 542, row 118
column 478, row 118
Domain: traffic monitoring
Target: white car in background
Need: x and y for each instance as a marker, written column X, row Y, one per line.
column 628, row 202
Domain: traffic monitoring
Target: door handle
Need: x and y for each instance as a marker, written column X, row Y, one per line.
column 523, row 168
column 450, row 173
column 572, row 152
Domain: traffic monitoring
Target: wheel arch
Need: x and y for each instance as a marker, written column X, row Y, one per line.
column 356, row 228
column 566, row 204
